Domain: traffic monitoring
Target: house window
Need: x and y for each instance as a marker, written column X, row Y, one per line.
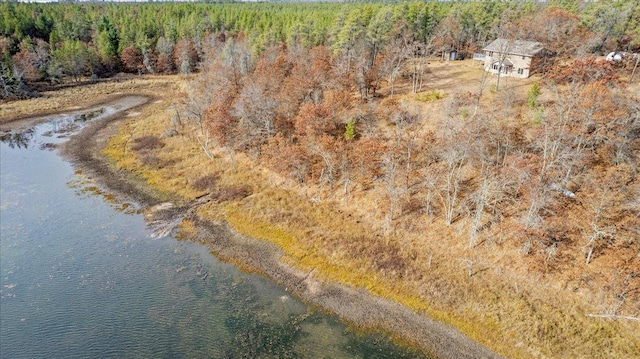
column 523, row 57
column 520, row 71
column 495, row 66
column 490, row 53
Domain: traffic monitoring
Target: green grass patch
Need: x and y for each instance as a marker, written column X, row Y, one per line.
column 430, row 96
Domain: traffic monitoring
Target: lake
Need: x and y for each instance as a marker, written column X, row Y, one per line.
column 81, row 277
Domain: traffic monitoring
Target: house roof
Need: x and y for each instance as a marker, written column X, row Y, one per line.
column 516, row 47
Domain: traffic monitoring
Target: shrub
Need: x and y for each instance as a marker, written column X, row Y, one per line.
column 206, row 182
column 532, row 95
column 538, row 116
column 350, row 130
column 147, row 143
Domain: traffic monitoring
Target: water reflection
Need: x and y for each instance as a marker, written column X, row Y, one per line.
column 20, row 139
column 57, row 125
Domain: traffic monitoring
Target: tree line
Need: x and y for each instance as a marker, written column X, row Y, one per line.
column 56, row 42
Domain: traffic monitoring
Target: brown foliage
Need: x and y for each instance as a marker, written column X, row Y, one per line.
column 185, row 56
column 560, row 31
column 274, row 64
column 24, row 63
column 165, row 64
column 315, row 120
column 131, row 59
column 287, row 158
column 220, row 122
column 321, row 63
column 585, row 71
column 306, row 81
column 365, row 156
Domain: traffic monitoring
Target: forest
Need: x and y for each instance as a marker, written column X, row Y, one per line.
column 536, row 179
column 67, row 41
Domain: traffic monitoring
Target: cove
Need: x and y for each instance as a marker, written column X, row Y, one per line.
column 82, row 277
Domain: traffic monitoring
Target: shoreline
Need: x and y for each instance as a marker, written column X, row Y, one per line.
column 356, row 306
column 312, row 241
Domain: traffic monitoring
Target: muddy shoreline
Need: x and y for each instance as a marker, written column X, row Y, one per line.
column 356, row 306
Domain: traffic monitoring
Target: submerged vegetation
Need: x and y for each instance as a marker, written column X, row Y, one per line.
column 335, row 132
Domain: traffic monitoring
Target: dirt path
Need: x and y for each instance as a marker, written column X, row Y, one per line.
column 356, row 306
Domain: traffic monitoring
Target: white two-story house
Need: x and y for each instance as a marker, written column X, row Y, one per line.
column 516, row 58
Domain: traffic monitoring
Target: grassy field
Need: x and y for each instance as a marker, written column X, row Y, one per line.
column 489, row 292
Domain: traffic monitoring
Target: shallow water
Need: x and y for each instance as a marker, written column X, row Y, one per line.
column 81, row 277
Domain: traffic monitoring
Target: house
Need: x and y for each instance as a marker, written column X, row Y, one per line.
column 516, row 58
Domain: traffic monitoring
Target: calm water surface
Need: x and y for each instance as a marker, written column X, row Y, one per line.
column 82, row 278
